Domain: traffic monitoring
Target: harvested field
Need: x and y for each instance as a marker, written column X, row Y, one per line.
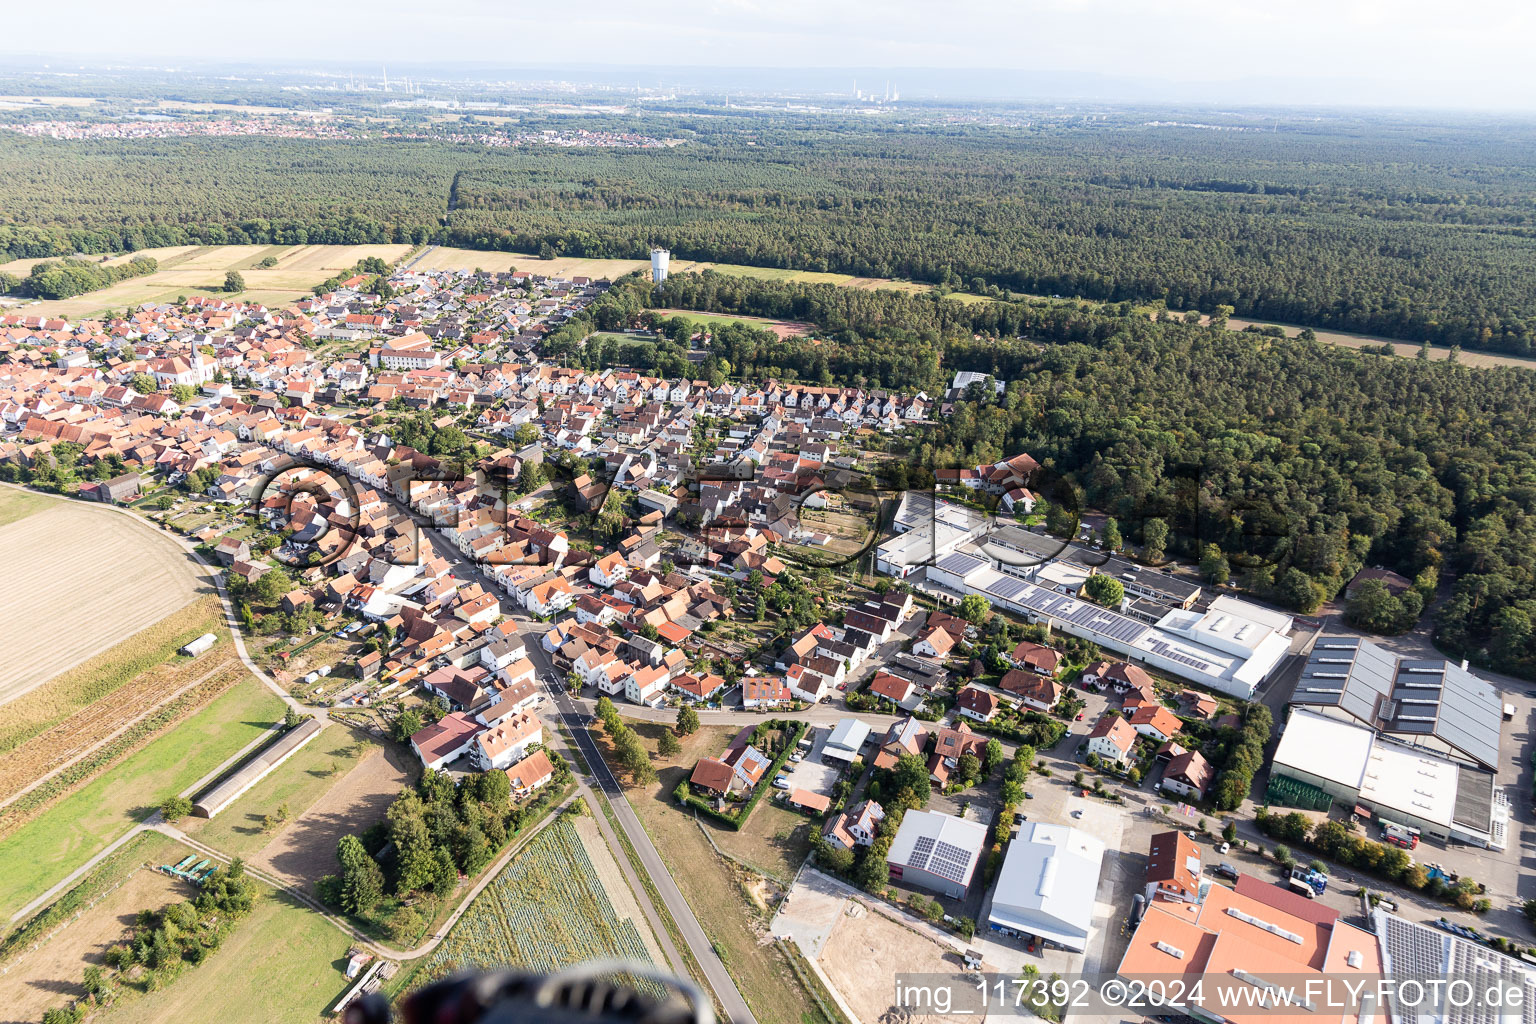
column 1404, row 350
column 199, row 270
column 50, row 975
column 304, row 850
column 77, row 579
column 859, row 942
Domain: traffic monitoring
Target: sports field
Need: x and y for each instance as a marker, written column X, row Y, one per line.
column 76, row 579
column 200, row 269
column 783, row 328
column 46, row 848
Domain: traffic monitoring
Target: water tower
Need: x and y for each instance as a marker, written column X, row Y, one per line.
column 659, row 260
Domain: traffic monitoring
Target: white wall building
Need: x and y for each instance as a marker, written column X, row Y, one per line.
column 1047, row 886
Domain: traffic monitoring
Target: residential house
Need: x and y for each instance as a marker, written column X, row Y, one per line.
column 1112, row 738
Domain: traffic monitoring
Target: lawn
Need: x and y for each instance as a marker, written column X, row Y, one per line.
column 56, row 841
column 298, row 782
column 18, row 504
column 281, row 965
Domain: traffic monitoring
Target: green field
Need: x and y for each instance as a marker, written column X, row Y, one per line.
column 18, row 504
column 281, row 965
column 57, row 841
column 715, row 318
column 298, row 782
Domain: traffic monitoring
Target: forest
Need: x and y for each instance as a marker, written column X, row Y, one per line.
column 1286, row 464
column 1420, row 232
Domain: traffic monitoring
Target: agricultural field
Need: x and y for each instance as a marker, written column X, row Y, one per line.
column 448, row 258
column 76, row 579
column 730, row 902
column 47, row 847
column 1403, row 349
column 557, row 903
column 281, row 965
column 199, row 270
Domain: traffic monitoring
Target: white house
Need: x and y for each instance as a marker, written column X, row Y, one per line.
column 506, row 742
column 1112, row 739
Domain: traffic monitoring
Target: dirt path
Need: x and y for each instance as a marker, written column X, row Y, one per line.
column 305, row 850
column 50, row 974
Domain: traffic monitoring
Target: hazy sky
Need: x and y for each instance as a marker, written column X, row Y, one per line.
column 1475, row 53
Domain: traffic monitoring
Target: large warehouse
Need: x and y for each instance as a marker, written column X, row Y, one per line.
column 1225, row 649
column 1047, row 887
column 1321, row 758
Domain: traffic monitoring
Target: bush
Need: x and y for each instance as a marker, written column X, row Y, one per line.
column 1283, row 855
column 175, row 808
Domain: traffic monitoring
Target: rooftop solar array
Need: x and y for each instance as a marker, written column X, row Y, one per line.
column 942, row 859
column 1420, row 951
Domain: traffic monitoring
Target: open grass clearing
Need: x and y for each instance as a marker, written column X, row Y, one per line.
column 281, row 965
column 308, row 778
column 50, row 975
column 18, row 504
column 74, row 580
column 783, row 328
column 43, row 850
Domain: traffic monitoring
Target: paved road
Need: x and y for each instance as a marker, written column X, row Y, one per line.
column 693, row 933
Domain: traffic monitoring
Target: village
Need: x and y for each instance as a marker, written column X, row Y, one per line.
column 1016, row 752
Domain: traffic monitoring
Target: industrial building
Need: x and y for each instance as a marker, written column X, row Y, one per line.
column 1047, row 886
column 951, row 551
column 1432, row 704
column 937, row 852
column 257, row 768
column 1322, row 758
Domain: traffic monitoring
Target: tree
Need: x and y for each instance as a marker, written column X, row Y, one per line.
column 911, row 774
column 1297, row 590
column 175, row 808
column 525, row 435
column 1112, row 539
column 268, row 588
column 413, row 843
column 362, row 883
column 687, row 721
column 832, row 856
column 1229, row 831
column 668, row 746
column 234, row 281
column 968, row 768
column 1154, row 540
column 992, row 756
column 1104, row 589
column 974, row 608
column 1283, row 855
column 407, row 724
column 1213, row 565
column 183, row 393
column 143, row 383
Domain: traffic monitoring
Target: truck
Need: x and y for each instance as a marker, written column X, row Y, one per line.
column 1315, row 881
column 199, row 645
column 1400, row 835
column 1301, row 888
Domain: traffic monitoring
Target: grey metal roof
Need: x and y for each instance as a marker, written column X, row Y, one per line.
column 1442, row 699
column 1347, row 672
column 1412, row 698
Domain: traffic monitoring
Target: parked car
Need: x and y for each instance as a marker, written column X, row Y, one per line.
column 1224, row 847
column 1193, row 836
column 1225, row 870
column 781, row 783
